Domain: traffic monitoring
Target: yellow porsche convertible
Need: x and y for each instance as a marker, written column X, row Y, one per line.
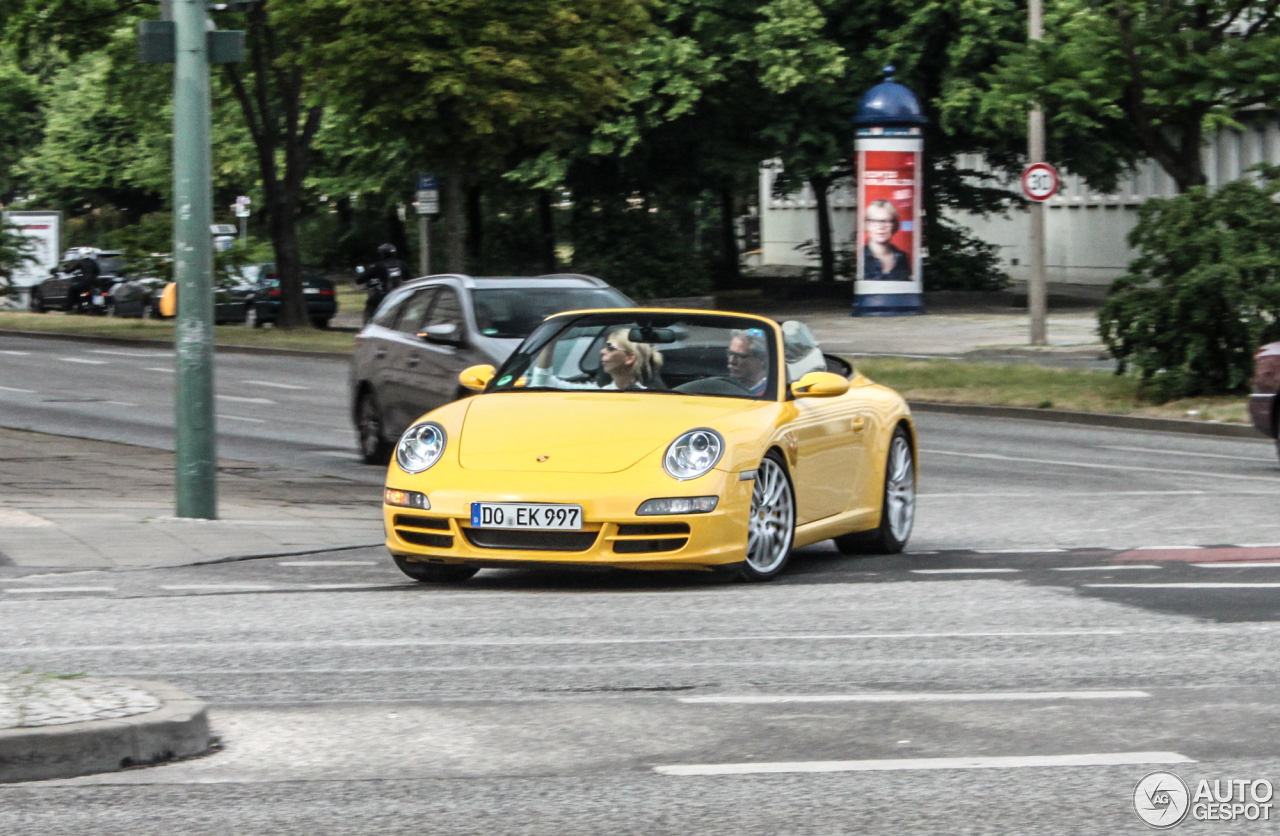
column 653, row 439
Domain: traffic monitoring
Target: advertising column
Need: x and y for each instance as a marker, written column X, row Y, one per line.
column 889, row 157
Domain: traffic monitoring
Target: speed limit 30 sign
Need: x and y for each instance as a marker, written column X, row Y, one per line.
column 1039, row 181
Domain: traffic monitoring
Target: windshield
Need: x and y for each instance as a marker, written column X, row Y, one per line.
column 692, row 354
column 513, row 313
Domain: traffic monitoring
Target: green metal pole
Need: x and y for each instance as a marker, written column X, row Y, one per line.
column 196, row 458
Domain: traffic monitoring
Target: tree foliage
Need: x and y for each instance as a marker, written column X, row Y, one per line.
column 1204, row 292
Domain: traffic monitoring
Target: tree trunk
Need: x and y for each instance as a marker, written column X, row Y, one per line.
column 546, row 232
column 455, row 261
column 826, row 253
column 274, row 113
column 730, row 272
column 475, row 228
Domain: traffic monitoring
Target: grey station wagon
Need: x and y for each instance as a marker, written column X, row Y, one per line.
column 425, row 332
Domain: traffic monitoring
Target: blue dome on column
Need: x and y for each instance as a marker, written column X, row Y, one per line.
column 889, row 104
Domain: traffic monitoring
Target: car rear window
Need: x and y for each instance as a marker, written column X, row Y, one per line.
column 513, row 313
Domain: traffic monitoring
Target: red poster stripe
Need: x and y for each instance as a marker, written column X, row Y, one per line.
column 1220, row 555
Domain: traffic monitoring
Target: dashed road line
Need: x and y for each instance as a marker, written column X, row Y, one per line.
column 1186, row 585
column 1244, row 564
column 275, row 385
column 960, row 571
column 158, row 369
column 1096, row 466
column 239, row 399
column 328, row 563
column 20, row 391
column 895, row 764
column 1108, row 568
column 1183, row 453
column 61, row 589
column 241, row 418
column 987, row 696
column 84, row 360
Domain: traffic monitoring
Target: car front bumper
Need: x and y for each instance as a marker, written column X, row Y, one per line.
column 612, row 534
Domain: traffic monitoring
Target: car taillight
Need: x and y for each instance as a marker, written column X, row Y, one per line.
column 326, row 293
column 275, row 292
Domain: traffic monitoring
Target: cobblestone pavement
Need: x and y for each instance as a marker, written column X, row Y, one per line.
column 28, row 700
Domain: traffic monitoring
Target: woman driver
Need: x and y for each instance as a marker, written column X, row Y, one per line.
column 630, row 365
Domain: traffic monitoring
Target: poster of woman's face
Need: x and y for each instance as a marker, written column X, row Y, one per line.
column 888, row 193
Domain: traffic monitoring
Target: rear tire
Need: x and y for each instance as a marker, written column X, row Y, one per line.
column 897, row 504
column 435, row 572
column 374, row 448
column 322, row 324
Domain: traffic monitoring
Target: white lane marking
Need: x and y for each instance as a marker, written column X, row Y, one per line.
column 894, row 764
column 1017, row 551
column 11, row 389
column 145, row 355
column 215, row 587
column 274, row 385
column 239, row 399
column 1094, row 466
column 1161, row 548
column 1243, row 564
column 16, row 353
column 120, row 403
column 1195, row 585
column 1104, row 568
column 62, row 589
column 1256, row 546
column 84, row 360
column 958, row 571
column 993, row 696
column 1182, row 453
column 241, row 418
column 157, row 369
column 557, row 642
column 328, row 563
column 323, row 586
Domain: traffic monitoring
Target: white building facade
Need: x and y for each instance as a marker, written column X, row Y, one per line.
column 1086, row 232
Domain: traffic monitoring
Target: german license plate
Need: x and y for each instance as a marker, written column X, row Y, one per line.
column 310, row 290
column 523, row 515
column 99, row 300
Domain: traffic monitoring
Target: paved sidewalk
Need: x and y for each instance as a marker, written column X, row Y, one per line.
column 70, row 503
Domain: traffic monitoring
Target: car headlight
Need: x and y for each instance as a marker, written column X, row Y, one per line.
column 693, row 454
column 420, row 447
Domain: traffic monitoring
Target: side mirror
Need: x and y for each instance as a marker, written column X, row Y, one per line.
column 446, row 333
column 476, row 378
column 819, row 385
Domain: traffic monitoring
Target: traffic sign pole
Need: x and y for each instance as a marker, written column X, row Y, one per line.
column 1037, row 292
column 427, row 204
column 195, row 452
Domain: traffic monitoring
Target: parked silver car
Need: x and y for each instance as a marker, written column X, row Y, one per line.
column 425, row 332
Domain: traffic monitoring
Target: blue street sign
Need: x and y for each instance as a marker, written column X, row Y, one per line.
column 427, row 182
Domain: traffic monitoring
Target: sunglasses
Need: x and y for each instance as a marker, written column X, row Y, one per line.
column 612, row 347
column 738, row 355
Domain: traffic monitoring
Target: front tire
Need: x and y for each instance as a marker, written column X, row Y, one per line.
column 771, row 528
column 435, row 572
column 374, row 448
column 897, row 507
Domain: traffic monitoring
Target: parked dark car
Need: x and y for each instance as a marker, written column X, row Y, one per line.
column 1266, row 383
column 262, row 303
column 425, row 332
column 72, row 285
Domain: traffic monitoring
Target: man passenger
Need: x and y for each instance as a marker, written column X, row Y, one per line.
column 749, row 360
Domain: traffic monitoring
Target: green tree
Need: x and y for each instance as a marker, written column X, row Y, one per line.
column 472, row 82
column 1143, row 78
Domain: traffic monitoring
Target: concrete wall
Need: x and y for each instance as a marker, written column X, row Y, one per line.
column 1085, row 231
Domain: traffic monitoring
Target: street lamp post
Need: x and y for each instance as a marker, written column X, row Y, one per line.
column 183, row 37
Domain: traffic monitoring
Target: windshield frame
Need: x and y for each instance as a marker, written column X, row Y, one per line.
column 478, row 293
column 559, row 323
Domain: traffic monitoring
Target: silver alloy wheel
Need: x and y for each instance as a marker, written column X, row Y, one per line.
column 900, row 489
column 773, row 517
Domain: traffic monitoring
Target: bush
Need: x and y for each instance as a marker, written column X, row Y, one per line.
column 1205, row 291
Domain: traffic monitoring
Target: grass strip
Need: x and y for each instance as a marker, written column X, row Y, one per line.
column 308, row 339
column 1080, row 390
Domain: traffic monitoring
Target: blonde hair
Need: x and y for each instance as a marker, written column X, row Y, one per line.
column 648, row 358
column 893, row 210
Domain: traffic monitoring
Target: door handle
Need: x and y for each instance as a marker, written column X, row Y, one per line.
column 859, row 423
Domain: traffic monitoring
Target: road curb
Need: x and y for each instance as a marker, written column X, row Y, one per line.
column 1092, row 419
column 179, row 728
column 132, row 342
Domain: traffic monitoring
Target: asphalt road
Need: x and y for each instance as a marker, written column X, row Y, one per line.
column 1049, row 609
